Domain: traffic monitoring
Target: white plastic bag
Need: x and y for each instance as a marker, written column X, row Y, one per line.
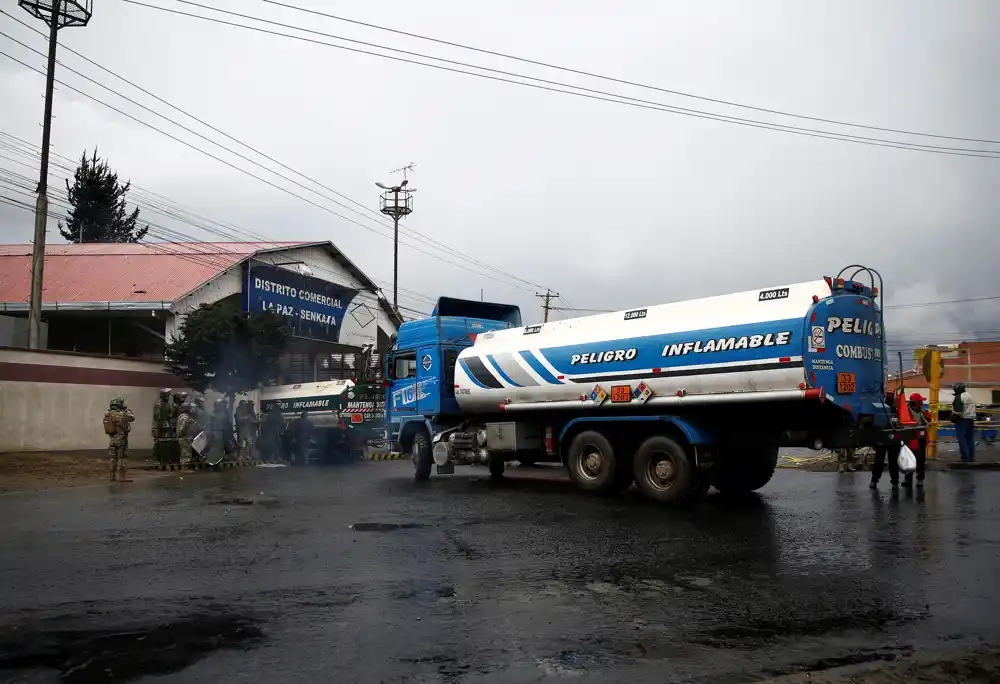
column 907, row 461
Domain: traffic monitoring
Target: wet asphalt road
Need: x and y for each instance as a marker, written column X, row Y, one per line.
column 256, row 576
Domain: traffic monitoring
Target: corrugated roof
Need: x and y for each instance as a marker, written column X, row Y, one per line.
column 152, row 272
column 148, row 272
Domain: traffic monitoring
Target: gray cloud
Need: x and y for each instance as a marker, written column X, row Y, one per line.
column 609, row 205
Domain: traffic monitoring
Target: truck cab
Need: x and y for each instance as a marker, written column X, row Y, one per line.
column 420, row 367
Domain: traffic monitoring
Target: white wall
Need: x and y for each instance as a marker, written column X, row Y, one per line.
column 53, row 416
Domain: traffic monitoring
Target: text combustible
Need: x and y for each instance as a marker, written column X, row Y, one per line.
column 262, row 285
column 695, row 347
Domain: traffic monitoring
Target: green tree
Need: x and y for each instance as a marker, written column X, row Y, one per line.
column 222, row 348
column 99, row 213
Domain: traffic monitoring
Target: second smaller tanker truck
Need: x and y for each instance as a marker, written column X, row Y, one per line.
column 674, row 398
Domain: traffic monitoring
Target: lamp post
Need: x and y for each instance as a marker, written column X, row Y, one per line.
column 397, row 202
column 57, row 14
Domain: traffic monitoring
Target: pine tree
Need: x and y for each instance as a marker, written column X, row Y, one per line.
column 98, row 199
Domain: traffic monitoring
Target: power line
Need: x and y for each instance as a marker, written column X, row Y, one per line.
column 578, row 91
column 145, row 205
column 252, row 175
column 376, row 214
column 624, row 81
column 205, row 138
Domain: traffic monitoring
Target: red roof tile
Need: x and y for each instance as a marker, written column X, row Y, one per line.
column 152, row 272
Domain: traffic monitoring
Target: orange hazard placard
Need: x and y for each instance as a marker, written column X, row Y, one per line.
column 846, row 383
column 621, row 394
column 357, row 417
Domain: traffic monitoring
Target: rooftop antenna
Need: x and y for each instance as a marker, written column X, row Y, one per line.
column 404, row 169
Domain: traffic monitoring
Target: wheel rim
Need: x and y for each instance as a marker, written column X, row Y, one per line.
column 591, row 463
column 661, row 471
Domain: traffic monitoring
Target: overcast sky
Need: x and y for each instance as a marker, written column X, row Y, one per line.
column 610, row 205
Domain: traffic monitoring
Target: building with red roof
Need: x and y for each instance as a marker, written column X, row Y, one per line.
column 123, row 299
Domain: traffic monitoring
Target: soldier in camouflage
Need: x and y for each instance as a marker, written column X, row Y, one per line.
column 187, row 430
column 162, row 429
column 117, row 423
column 199, row 413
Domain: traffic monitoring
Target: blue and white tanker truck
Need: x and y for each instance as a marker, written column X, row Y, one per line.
column 675, row 398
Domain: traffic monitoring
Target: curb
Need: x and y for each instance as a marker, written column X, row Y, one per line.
column 179, row 467
column 392, row 456
column 975, row 465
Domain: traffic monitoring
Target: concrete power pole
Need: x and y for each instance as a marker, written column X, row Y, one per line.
column 57, row 14
column 397, row 202
column 547, row 297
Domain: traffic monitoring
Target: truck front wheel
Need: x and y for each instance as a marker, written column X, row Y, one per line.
column 663, row 470
column 744, row 470
column 420, row 454
column 592, row 464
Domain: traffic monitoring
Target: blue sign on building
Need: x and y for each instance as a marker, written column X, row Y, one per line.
column 315, row 308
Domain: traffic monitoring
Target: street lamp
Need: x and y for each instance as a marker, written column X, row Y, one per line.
column 57, row 14
column 397, row 202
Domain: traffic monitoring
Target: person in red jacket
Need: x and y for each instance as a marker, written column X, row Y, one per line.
column 922, row 417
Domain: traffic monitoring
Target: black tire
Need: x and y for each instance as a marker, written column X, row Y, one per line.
column 496, row 463
column 420, row 454
column 592, row 464
column 664, row 471
column 740, row 471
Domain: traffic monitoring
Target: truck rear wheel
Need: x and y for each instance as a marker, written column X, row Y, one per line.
column 592, row 464
column 420, row 454
column 663, row 470
column 740, row 471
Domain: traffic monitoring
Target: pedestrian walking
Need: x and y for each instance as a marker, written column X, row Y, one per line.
column 240, row 418
column 301, row 432
column 887, row 451
column 117, row 424
column 271, row 429
column 918, row 446
column 963, row 414
column 252, row 427
column 187, row 430
column 161, row 426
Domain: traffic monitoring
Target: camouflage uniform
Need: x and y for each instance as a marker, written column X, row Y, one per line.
column 162, row 430
column 118, row 448
column 199, row 413
column 187, row 430
column 173, row 448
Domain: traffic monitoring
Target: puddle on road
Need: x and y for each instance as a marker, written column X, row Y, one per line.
column 384, row 527
column 113, row 656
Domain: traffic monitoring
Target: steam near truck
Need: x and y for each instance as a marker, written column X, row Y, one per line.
column 675, row 398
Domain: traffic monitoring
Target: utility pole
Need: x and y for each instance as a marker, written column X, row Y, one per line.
column 397, row 202
column 548, row 297
column 57, row 14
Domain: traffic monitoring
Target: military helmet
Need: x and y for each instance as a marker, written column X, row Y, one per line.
column 118, row 403
column 180, row 397
column 185, row 407
column 165, row 392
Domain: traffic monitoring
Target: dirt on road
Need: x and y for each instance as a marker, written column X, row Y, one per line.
column 51, row 470
column 966, row 666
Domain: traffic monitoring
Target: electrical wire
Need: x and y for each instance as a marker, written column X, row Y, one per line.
column 623, row 81
column 174, row 242
column 252, row 175
column 420, row 236
column 578, row 91
column 258, row 152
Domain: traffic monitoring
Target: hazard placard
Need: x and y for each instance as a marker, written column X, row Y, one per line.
column 846, row 383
